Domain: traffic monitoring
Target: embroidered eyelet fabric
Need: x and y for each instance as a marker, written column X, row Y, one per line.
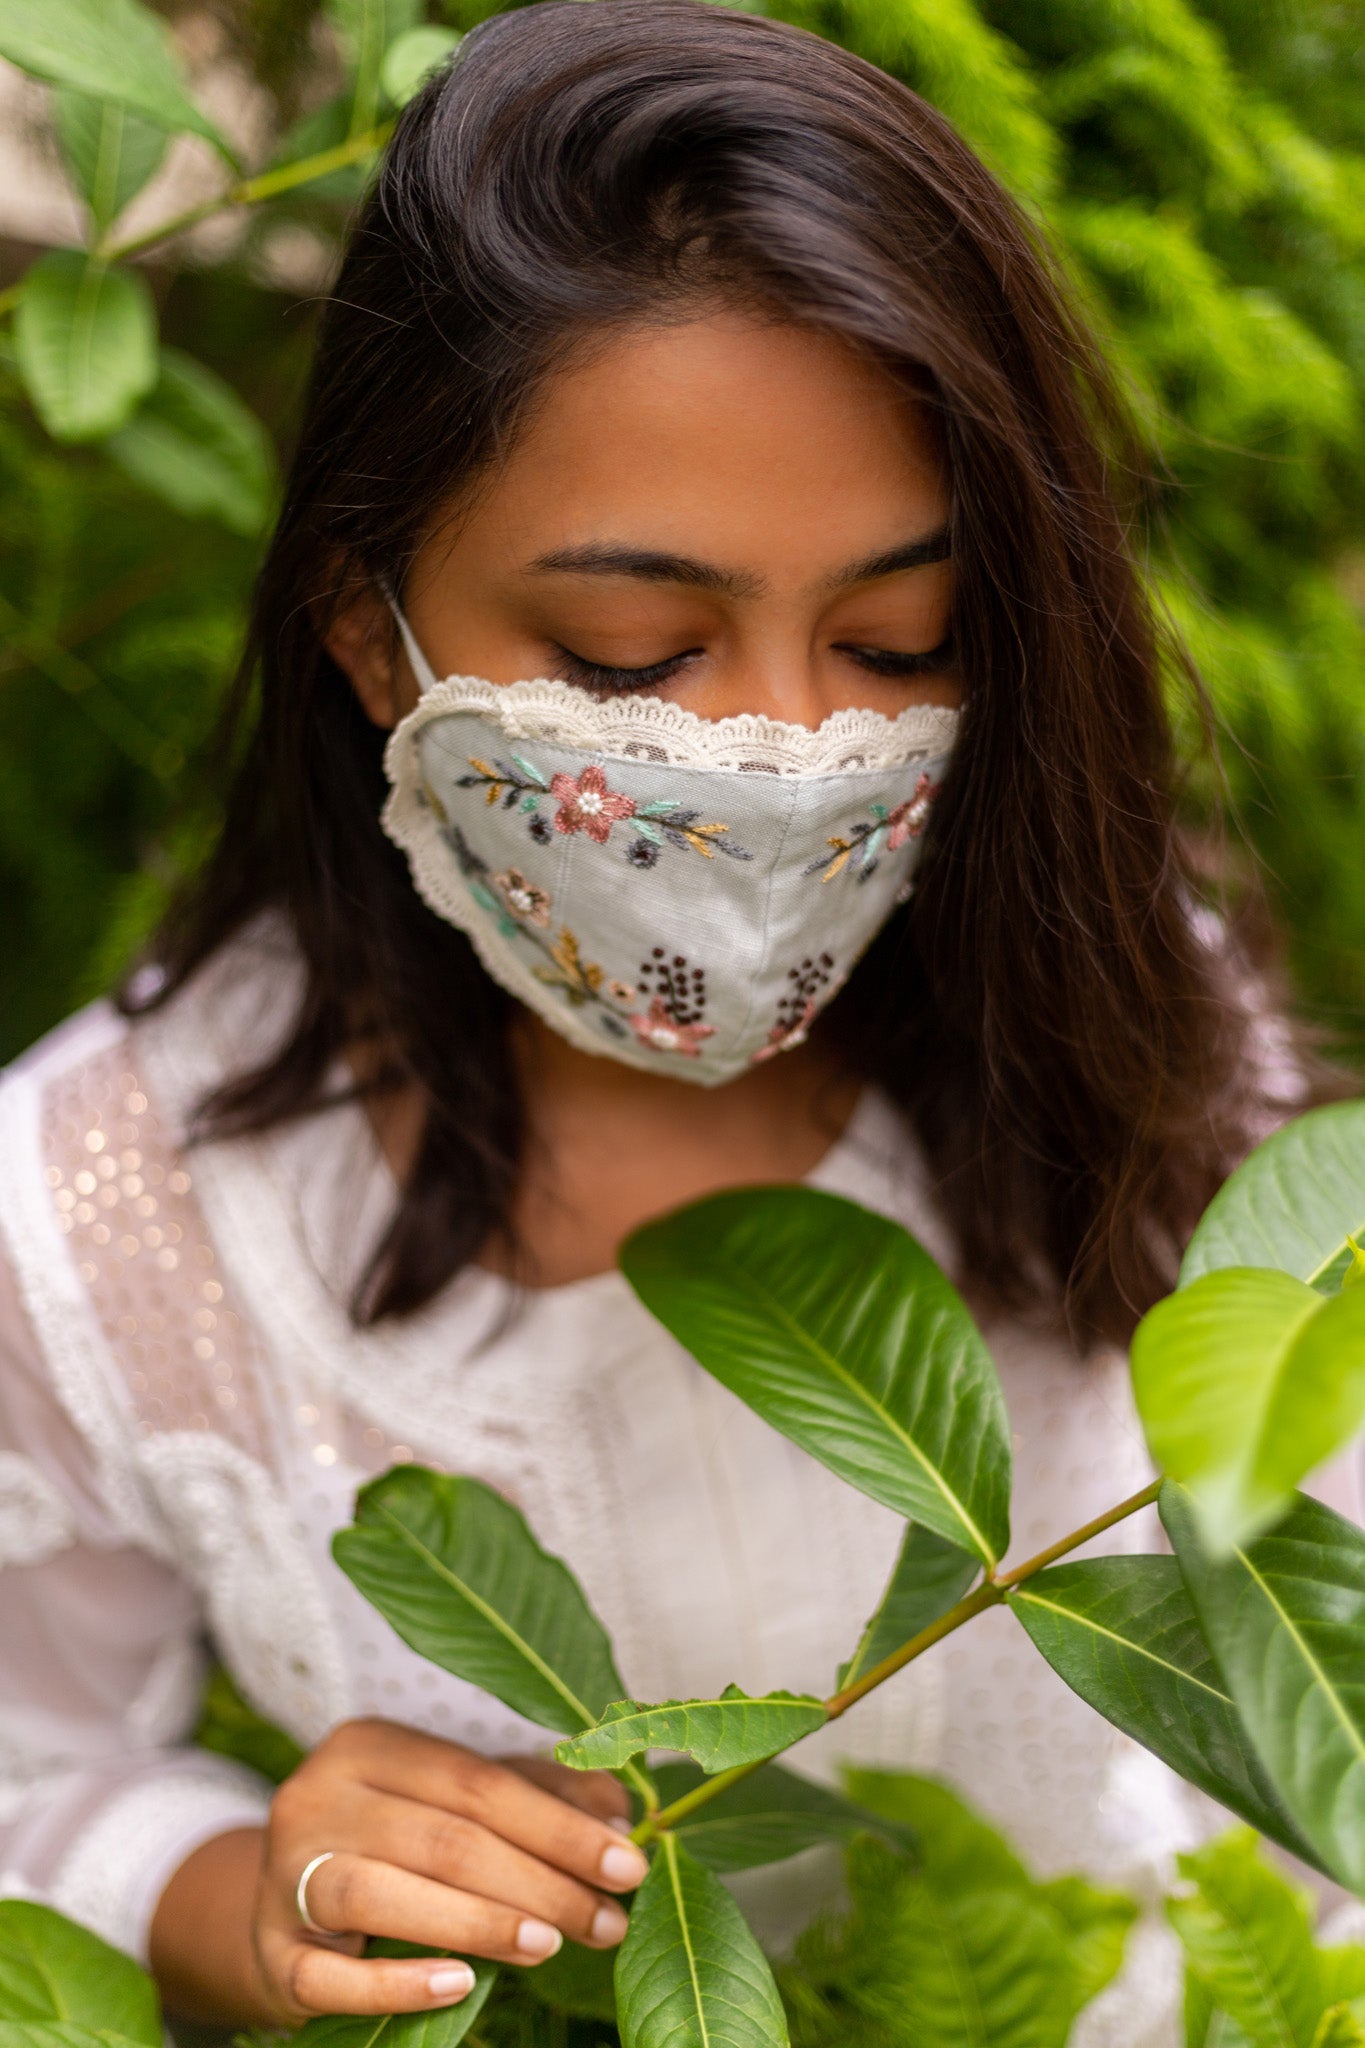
column 162, row 1513
column 683, row 894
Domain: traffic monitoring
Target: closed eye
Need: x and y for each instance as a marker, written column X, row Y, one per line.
column 597, row 675
column 881, row 661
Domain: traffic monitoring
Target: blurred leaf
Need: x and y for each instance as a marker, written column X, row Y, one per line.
column 113, row 49
column 958, row 1849
column 51, row 1969
column 1095, row 1922
column 1285, row 1619
column 577, row 1981
column 455, row 1570
column 1294, row 1204
column 930, row 1575
column 368, row 28
column 735, row 1728
column 1340, row 2027
column 1247, row 1936
column 839, row 1330
column 85, row 342
column 229, row 1727
column 411, row 58
column 1246, row 1380
column 196, row 445
column 58, row 2034
column 111, row 152
column 770, row 1815
column 1122, row 1633
column 689, row 1970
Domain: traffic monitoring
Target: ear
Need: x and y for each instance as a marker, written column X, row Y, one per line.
column 360, row 640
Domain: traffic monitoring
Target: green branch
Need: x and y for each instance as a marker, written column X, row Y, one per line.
column 992, row 1591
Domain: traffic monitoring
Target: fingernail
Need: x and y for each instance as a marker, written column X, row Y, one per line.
column 623, row 1866
column 452, row 1980
column 609, row 1923
column 622, row 1823
column 538, row 1938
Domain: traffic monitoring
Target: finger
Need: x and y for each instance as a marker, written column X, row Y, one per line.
column 467, row 1856
column 361, row 1892
column 594, row 1792
column 436, row 1773
column 319, row 1980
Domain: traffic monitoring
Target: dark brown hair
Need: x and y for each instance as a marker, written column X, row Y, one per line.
column 1064, row 1035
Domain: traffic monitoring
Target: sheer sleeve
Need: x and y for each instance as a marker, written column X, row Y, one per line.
column 102, row 1796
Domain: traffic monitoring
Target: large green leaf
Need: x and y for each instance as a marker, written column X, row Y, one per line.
column 456, row 1571
column 111, row 152
column 85, row 343
column 1285, row 1619
column 840, row 1330
column 1095, row 1922
column 197, row 446
column 58, row 2034
column 689, row 1973
column 1245, row 1381
column 734, row 1728
column 51, row 1969
column 1123, row 1634
column 1247, row 1936
column 769, row 1815
column 440, row 2029
column 113, row 49
column 1293, row 1204
column 929, row 1576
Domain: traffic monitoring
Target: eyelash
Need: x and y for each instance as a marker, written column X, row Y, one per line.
column 592, row 675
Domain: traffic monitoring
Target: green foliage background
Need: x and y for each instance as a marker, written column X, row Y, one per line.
column 1202, row 168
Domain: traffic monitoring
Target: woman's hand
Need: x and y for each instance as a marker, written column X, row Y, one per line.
column 428, row 1843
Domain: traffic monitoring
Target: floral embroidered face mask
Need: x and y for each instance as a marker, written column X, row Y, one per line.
column 681, row 893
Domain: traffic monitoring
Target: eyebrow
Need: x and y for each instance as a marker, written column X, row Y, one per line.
column 649, row 565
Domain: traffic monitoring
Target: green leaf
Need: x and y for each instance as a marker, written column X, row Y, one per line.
column 976, row 1969
column 456, row 1571
column 1294, row 1204
column 957, row 1848
column 839, row 1330
column 1123, row 1634
column 58, row 2034
column 1095, row 1923
column 771, row 1814
column 196, row 445
column 1248, row 1937
column 1286, row 1621
column 112, row 49
column 111, row 152
column 411, row 58
column 1343, row 1974
column 367, row 29
column 85, row 343
column 1246, row 1380
column 1340, row 2027
column 230, row 1727
column 442, row 2029
column 689, row 1974
column 51, row 1969
column 577, row 1981
column 736, row 1728
column 929, row 1576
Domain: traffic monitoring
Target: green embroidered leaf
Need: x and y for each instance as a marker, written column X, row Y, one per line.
column 930, row 1576
column 1294, row 1204
column 658, row 807
column 1246, row 1380
column 689, row 1974
column 110, row 152
column 456, row 1571
column 112, row 49
column 1247, row 1935
column 646, row 831
column 84, row 342
column 770, row 1815
column 51, row 1969
column 840, row 1330
column 528, row 768
column 1285, row 1619
column 736, row 1728
column 1123, row 1634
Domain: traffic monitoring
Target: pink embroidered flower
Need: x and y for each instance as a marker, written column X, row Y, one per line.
column 783, row 1037
column 587, row 805
column 522, row 898
column 658, row 1031
column 909, row 819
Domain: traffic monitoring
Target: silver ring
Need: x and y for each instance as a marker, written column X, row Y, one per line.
column 301, row 1894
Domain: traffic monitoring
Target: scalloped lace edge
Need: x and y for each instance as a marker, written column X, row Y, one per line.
column 657, row 730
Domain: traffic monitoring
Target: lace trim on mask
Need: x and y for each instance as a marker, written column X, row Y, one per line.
column 654, row 729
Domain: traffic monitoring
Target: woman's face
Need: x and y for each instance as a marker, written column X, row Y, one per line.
column 735, row 515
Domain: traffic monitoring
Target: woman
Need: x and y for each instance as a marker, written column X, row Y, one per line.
column 687, row 361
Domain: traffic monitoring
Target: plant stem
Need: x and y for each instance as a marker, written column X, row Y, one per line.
column 990, row 1593
column 251, row 191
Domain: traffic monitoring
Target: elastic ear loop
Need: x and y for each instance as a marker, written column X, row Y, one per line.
column 421, row 667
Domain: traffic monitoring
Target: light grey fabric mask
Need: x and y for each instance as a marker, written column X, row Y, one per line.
column 681, row 893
